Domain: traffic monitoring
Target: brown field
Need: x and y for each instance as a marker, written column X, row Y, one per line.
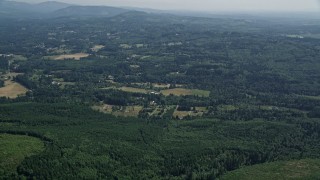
column 76, row 56
column 184, row 92
column 97, row 48
column 12, row 90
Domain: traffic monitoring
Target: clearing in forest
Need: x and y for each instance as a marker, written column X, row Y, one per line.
column 15, row 148
column 296, row 169
column 185, row 92
column 97, row 48
column 134, row 90
column 160, row 85
column 125, row 111
column 76, row 56
column 197, row 112
column 12, row 89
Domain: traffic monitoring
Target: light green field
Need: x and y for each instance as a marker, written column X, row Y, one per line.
column 185, row 92
column 133, row 90
column 306, row 169
column 19, row 58
column 14, row 148
column 129, row 89
column 312, row 97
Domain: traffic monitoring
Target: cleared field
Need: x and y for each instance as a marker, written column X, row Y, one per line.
column 311, row 97
column 19, row 58
column 76, row 56
column 125, row 46
column 298, row 169
column 129, row 111
column 129, row 89
column 12, row 90
column 133, row 90
column 97, row 48
column 125, row 111
column 139, row 45
column 185, row 92
column 160, row 85
column 135, row 66
column 105, row 108
column 14, row 148
column 183, row 114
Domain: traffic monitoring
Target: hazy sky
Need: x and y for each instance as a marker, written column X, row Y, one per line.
column 207, row 5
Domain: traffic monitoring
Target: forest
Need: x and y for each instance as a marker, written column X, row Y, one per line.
column 158, row 96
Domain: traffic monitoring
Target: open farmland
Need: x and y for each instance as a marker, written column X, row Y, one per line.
column 12, row 90
column 97, row 48
column 185, row 92
column 76, row 56
column 133, row 90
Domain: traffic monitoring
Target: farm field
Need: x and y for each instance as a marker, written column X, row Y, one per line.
column 97, row 48
column 14, row 148
column 12, row 89
column 296, row 169
column 133, row 90
column 185, row 92
column 124, row 111
column 128, row 89
column 76, row 56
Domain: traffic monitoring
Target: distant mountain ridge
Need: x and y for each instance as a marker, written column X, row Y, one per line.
column 53, row 9
column 90, row 11
column 45, row 7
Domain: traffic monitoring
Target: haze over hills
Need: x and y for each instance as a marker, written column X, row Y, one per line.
column 89, row 11
column 54, row 9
